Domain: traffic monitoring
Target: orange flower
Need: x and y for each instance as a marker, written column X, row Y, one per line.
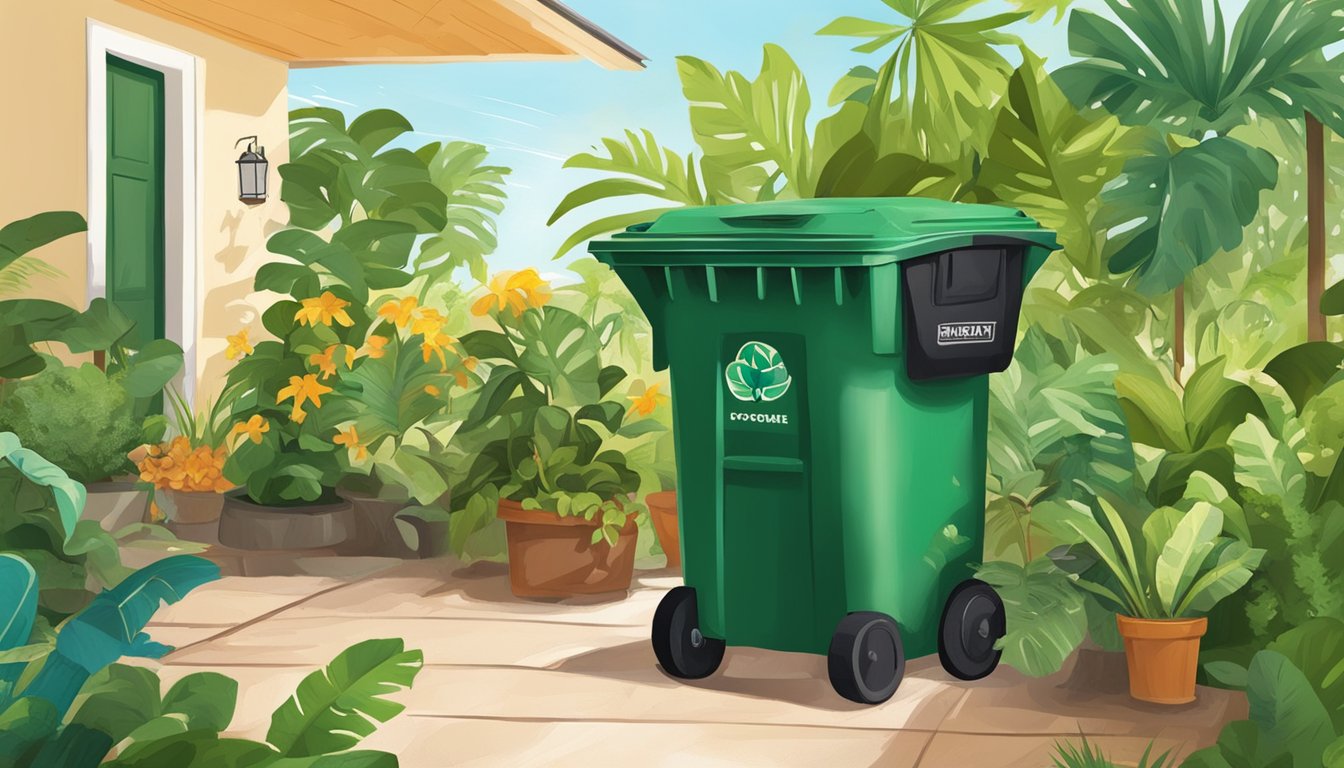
column 429, row 323
column 436, row 345
column 431, row 390
column 238, row 345
column 398, row 312
column 515, row 290
column 350, row 439
column 325, row 361
column 645, row 403
column 254, row 428
column 179, row 467
column 460, row 374
column 324, row 309
column 302, row 390
column 374, row 346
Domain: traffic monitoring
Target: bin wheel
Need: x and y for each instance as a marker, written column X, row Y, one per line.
column 973, row 621
column 866, row 660
column 677, row 642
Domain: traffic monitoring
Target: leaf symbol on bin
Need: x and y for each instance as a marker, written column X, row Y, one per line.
column 758, row 374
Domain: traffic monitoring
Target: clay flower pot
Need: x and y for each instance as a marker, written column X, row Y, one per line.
column 553, row 556
column 189, row 507
column 1163, row 657
column 115, row 504
column 663, row 513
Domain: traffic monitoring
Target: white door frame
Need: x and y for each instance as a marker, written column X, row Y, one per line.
column 181, row 200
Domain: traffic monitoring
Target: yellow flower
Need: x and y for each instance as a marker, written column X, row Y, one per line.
column 460, row 375
column 324, row 309
column 431, row 390
column 435, row 345
column 374, row 346
column 350, row 439
column 645, row 403
column 429, row 323
column 515, row 290
column 254, row 428
column 302, row 390
column 326, row 361
column 238, row 345
column 398, row 312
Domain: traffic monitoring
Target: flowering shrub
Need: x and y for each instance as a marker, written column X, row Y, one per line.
column 345, row 393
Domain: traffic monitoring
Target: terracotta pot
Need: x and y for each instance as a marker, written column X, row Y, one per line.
column 1163, row 657
column 245, row 525
column 115, row 504
column 190, row 507
column 553, row 556
column 663, row 513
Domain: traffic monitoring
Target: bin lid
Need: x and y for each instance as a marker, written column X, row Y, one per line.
column 818, row 232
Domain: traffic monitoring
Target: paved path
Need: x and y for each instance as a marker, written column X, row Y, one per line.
column 514, row 683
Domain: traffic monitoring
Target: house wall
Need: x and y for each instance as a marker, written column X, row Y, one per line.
column 43, row 133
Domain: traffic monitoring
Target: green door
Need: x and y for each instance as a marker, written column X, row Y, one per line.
column 135, row 230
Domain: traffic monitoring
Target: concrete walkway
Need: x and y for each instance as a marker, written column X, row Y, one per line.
column 513, row 683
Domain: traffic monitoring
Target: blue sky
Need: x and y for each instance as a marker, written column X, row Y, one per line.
column 533, row 115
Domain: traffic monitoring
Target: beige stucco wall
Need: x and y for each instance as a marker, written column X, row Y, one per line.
column 43, row 141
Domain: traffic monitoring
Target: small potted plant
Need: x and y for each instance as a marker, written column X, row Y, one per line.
column 1162, row 584
column 549, row 446
column 186, row 473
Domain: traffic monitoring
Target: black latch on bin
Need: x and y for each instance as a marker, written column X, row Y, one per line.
column 961, row 311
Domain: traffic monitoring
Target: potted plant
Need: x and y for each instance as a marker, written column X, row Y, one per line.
column 548, row 445
column 1162, row 583
column 186, row 473
column 342, row 398
column 87, row 420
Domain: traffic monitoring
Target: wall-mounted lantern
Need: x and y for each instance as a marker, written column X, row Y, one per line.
column 252, row 167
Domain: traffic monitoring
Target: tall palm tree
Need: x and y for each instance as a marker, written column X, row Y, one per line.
column 1163, row 67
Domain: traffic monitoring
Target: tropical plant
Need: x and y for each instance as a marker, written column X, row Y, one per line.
column 1180, row 567
column 1191, row 426
column 39, row 520
column 1296, row 703
column 544, row 430
column 1046, row 614
column 19, row 238
column 1194, row 188
column 64, row 701
column 435, row 206
column 1085, row 754
column 342, row 388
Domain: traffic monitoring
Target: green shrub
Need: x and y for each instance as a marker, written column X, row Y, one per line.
column 80, row 419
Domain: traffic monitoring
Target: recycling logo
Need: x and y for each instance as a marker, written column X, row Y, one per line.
column 758, row 374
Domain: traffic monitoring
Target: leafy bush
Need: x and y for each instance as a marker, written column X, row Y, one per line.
column 65, row 701
column 1296, row 697
column 39, row 520
column 80, row 419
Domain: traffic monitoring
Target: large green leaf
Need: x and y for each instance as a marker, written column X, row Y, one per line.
column 1268, row 466
column 67, row 494
column 335, row 707
column 1287, row 711
column 561, row 350
column 645, row 169
column 1173, row 208
column 1304, row 370
column 18, row 610
column 1051, row 161
column 24, row 724
column 948, row 69
column 111, row 626
column 19, row 237
column 1163, row 63
column 1046, row 620
column 1317, row 649
column 1184, row 552
column 750, row 130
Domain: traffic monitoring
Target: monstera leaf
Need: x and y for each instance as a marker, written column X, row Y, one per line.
column 758, row 374
column 1051, row 161
column 1176, row 206
column 1046, row 617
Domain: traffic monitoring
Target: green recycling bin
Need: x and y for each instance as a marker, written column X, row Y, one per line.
column 829, row 364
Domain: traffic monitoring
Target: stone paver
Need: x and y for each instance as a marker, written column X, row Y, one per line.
column 517, row 683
